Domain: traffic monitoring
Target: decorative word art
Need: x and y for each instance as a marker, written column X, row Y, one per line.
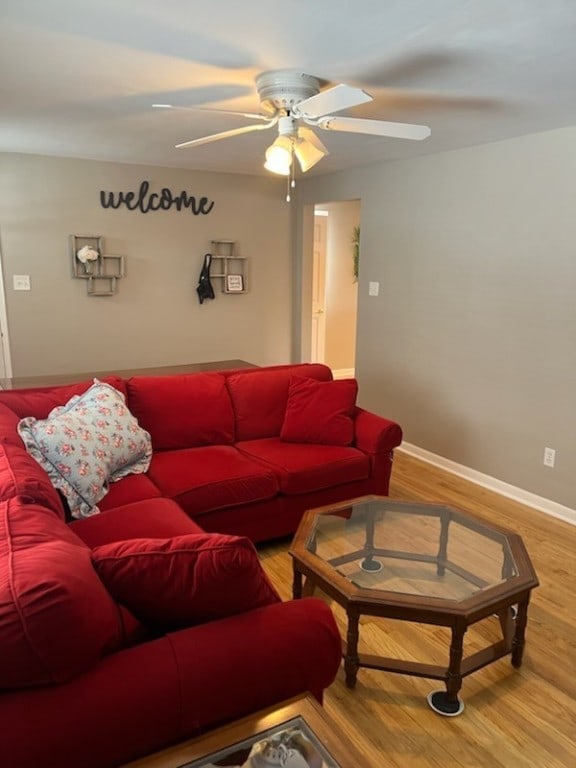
column 145, row 201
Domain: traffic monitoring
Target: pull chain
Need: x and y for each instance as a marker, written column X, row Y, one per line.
column 290, row 182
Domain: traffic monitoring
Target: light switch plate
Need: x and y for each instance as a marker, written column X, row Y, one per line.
column 373, row 288
column 21, row 282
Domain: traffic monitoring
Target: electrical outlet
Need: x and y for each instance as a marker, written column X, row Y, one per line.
column 549, row 457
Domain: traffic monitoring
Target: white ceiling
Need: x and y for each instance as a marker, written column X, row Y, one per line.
column 78, row 77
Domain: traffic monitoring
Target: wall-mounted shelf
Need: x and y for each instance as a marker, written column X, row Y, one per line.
column 102, row 273
column 228, row 267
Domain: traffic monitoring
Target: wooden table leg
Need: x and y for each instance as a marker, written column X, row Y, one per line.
column 351, row 659
column 520, row 631
column 447, row 702
column 445, row 517
column 454, row 677
column 296, row 583
column 309, row 587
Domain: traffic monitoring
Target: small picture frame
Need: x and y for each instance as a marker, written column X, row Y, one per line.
column 234, row 283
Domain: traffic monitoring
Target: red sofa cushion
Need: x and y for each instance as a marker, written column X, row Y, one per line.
column 184, row 580
column 128, row 490
column 259, row 397
column 183, row 411
column 320, row 411
column 56, row 618
column 149, row 518
column 214, row 476
column 21, row 475
column 127, row 706
column 39, row 401
column 304, row 467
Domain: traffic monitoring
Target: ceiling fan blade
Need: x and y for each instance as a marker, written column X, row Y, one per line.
column 308, row 149
column 225, row 135
column 250, row 115
column 331, row 100
column 375, row 127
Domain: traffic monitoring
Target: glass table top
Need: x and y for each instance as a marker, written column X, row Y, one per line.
column 427, row 550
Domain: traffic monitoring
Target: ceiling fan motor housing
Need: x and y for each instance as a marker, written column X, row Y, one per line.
column 281, row 89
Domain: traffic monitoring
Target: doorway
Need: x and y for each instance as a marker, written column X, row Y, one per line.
column 334, row 295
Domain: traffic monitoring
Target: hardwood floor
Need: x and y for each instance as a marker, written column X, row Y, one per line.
column 514, row 718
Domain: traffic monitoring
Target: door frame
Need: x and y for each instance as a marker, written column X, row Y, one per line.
column 4, row 335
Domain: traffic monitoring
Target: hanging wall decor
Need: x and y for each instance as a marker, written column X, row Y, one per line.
column 89, row 262
column 145, row 201
column 229, row 266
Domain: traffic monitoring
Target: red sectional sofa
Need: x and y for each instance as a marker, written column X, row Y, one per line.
column 151, row 621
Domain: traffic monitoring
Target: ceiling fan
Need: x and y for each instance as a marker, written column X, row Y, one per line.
column 292, row 101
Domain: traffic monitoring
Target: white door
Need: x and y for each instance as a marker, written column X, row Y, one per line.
column 318, row 290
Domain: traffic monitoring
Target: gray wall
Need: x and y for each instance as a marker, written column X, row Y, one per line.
column 471, row 344
column 155, row 318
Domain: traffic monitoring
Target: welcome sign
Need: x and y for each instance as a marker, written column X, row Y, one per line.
column 144, row 201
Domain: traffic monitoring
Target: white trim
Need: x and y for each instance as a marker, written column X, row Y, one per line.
column 504, row 489
column 343, row 373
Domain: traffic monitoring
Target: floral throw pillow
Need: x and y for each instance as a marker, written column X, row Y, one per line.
column 86, row 444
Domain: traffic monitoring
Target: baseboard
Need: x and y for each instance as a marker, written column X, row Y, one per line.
column 343, row 373
column 504, row 489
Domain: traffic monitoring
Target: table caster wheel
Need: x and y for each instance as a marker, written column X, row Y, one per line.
column 439, row 702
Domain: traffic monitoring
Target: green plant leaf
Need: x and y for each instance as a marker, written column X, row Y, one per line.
column 355, row 252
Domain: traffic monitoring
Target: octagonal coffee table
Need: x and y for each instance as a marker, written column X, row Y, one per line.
column 424, row 563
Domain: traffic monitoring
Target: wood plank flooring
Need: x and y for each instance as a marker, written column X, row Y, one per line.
column 514, row 718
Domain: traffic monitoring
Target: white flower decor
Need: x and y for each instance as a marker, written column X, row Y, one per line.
column 87, row 254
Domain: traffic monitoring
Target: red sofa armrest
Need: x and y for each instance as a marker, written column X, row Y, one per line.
column 375, row 434
column 142, row 699
column 247, row 662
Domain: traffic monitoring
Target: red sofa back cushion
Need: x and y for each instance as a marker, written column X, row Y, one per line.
column 182, row 411
column 259, row 397
column 320, row 411
column 56, row 618
column 39, row 401
column 184, row 580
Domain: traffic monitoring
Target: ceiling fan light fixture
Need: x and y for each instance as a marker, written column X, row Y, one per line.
column 307, row 155
column 308, row 149
column 279, row 156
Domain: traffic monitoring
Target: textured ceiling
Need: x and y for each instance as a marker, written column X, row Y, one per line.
column 78, row 77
